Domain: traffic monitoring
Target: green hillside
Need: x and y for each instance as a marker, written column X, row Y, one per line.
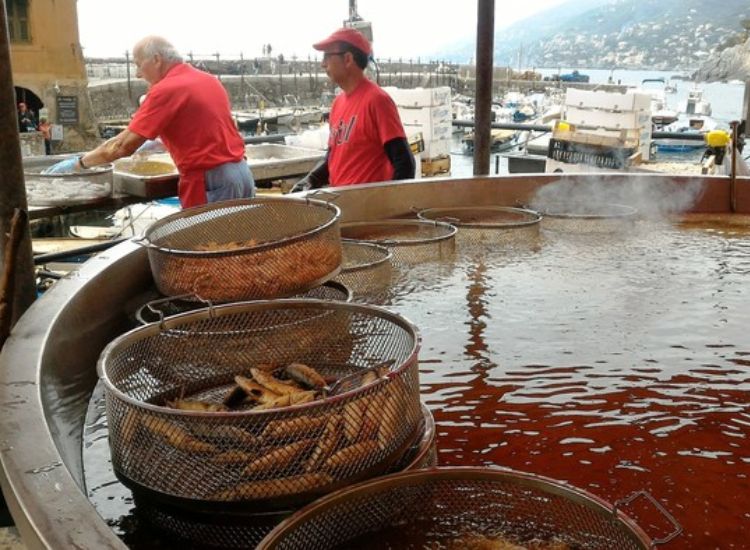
column 656, row 34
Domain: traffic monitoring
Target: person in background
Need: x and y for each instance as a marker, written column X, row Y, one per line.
column 367, row 142
column 26, row 119
column 46, row 129
column 189, row 111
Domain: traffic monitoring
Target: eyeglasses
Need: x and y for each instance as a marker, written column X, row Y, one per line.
column 326, row 55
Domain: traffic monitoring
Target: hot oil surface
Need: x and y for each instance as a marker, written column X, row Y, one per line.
column 614, row 361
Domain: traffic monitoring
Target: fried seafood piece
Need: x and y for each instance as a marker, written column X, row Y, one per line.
column 305, row 376
column 292, row 428
column 269, row 381
column 482, row 542
column 193, row 405
column 233, row 457
column 479, row 542
column 270, row 488
column 279, row 458
column 213, row 246
column 353, row 455
column 254, row 391
column 326, row 444
column 226, row 434
column 175, row 435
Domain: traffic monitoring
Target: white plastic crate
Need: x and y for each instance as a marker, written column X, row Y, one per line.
column 439, row 131
column 631, row 101
column 607, row 119
column 426, row 116
column 420, row 97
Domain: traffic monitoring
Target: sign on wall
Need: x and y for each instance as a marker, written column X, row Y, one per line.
column 67, row 110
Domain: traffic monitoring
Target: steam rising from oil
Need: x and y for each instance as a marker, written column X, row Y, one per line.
column 651, row 197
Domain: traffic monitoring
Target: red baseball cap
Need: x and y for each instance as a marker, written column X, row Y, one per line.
column 350, row 36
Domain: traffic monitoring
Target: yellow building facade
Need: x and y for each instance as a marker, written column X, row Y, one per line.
column 49, row 73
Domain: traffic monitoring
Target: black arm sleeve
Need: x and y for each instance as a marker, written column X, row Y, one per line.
column 318, row 176
column 399, row 154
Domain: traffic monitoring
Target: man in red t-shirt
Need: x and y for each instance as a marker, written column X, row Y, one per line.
column 189, row 111
column 367, row 142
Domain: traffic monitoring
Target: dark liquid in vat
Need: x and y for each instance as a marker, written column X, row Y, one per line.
column 614, row 361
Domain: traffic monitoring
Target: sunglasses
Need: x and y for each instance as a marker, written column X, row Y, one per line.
column 327, row 55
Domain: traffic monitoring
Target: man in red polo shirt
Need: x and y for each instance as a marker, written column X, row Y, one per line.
column 367, row 142
column 189, row 111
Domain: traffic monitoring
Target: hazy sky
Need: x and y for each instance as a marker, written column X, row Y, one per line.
column 405, row 28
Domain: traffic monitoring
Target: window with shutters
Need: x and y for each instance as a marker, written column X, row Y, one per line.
column 18, row 20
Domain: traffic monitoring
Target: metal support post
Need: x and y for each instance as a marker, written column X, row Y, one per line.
column 13, row 189
column 483, row 97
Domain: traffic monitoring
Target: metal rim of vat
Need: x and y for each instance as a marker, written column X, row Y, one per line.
column 40, row 375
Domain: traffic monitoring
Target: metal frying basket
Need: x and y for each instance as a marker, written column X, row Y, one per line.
column 446, row 507
column 246, row 249
column 366, row 269
column 155, row 310
column 588, row 218
column 259, row 459
column 247, row 530
column 410, row 241
column 483, row 225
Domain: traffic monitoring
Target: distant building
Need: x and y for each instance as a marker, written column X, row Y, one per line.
column 49, row 73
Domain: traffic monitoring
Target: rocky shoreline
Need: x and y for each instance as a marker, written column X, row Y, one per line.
column 730, row 64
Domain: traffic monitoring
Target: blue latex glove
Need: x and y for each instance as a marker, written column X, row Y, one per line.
column 68, row 166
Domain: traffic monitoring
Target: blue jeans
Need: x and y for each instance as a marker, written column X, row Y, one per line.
column 232, row 180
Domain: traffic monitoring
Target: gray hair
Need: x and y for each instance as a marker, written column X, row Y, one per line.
column 156, row 45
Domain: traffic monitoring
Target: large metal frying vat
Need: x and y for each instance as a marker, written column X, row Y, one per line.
column 48, row 366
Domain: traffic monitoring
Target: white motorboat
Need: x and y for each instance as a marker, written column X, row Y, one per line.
column 695, row 104
column 688, row 125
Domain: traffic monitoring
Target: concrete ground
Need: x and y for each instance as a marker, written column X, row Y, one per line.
column 10, row 540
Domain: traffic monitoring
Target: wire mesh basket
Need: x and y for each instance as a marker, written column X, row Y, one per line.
column 587, row 217
column 156, row 310
column 482, row 225
column 245, row 249
column 247, row 530
column 458, row 508
column 366, row 269
column 270, row 458
column 410, row 241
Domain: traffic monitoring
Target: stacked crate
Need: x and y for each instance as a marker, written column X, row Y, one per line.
column 427, row 111
column 601, row 131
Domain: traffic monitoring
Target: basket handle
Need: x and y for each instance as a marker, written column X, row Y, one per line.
column 144, row 242
column 315, row 192
column 633, row 496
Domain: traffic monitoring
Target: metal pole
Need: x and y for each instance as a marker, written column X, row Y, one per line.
column 733, row 173
column 13, row 189
column 242, row 75
column 127, row 74
column 746, row 105
column 483, row 97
